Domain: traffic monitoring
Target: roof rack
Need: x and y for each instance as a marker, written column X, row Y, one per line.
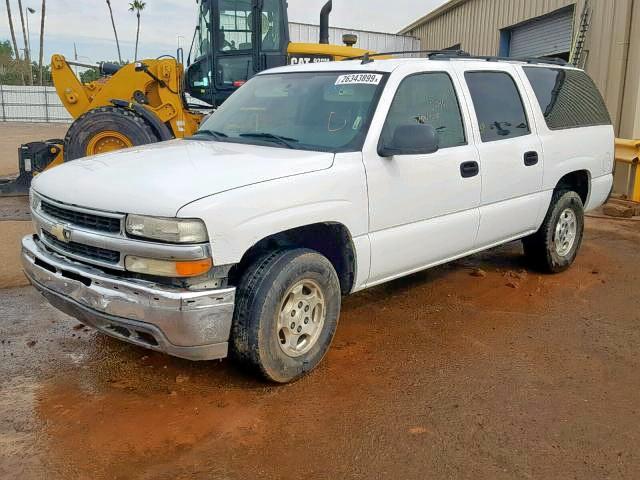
column 459, row 54
column 453, row 54
column 368, row 57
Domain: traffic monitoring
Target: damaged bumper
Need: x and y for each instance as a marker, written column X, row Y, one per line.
column 182, row 323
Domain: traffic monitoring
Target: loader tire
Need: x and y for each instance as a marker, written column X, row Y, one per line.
column 106, row 129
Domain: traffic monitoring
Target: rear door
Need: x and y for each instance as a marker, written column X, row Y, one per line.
column 234, row 43
column 509, row 147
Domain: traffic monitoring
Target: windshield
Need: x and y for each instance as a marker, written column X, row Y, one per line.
column 325, row 111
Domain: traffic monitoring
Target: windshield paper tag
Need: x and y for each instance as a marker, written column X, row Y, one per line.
column 359, row 78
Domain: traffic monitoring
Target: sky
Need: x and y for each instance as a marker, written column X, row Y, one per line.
column 167, row 22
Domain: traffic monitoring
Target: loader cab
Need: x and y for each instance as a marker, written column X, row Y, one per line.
column 234, row 40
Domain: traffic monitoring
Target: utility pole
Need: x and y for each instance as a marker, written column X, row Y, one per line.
column 29, row 11
column 27, row 51
column 13, row 39
column 75, row 56
column 42, row 17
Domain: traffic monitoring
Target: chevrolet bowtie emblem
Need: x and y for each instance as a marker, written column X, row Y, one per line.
column 61, row 232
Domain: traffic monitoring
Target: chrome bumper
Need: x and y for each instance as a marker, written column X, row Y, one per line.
column 191, row 325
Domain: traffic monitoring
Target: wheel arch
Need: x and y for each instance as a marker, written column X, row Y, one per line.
column 578, row 181
column 331, row 239
column 162, row 131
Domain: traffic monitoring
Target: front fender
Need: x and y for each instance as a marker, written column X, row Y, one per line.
column 238, row 219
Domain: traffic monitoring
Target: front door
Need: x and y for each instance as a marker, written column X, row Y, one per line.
column 423, row 209
column 234, row 44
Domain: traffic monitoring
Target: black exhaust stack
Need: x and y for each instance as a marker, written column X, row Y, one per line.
column 324, row 22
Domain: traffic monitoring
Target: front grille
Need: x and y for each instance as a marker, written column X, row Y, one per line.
column 81, row 219
column 87, row 251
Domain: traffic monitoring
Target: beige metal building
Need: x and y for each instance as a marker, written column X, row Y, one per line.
column 533, row 28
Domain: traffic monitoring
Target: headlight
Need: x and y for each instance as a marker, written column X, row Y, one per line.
column 167, row 268
column 174, row 230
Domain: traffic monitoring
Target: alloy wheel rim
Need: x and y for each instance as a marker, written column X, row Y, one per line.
column 566, row 232
column 300, row 318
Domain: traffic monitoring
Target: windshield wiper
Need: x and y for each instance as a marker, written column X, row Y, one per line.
column 211, row 133
column 286, row 141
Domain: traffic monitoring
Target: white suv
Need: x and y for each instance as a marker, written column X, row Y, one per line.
column 312, row 182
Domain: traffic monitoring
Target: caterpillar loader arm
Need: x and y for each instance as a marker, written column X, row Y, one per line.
column 154, row 84
column 129, row 105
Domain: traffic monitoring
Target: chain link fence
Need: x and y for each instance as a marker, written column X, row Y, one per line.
column 31, row 104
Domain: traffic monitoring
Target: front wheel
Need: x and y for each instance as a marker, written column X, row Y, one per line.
column 287, row 309
column 554, row 246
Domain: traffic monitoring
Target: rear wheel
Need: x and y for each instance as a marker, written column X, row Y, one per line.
column 106, row 129
column 287, row 309
column 554, row 246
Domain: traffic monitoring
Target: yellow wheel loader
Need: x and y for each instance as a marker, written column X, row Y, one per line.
column 146, row 101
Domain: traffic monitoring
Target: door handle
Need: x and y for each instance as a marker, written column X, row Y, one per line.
column 530, row 159
column 469, row 169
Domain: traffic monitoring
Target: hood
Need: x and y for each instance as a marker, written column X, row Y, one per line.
column 159, row 179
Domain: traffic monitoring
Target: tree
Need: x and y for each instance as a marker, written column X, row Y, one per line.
column 11, row 70
column 27, row 52
column 115, row 32
column 46, row 73
column 137, row 6
column 6, row 52
column 13, row 36
column 42, row 15
column 89, row 75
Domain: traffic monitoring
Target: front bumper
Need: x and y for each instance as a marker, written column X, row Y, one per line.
column 182, row 323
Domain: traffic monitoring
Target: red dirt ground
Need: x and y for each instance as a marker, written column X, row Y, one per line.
column 443, row 374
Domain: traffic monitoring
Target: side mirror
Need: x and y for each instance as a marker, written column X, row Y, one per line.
column 417, row 139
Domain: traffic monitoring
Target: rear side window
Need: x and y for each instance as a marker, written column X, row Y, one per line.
column 427, row 98
column 498, row 105
column 567, row 98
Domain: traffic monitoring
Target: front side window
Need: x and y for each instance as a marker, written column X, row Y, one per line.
column 427, row 98
column 271, row 24
column 567, row 98
column 202, row 35
column 323, row 111
column 498, row 105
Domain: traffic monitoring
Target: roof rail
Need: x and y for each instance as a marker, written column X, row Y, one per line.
column 368, row 57
column 458, row 54
column 452, row 54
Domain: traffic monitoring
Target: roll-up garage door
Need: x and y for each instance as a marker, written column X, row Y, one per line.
column 548, row 35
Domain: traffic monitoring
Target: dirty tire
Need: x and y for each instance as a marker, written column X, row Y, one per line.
column 259, row 298
column 541, row 248
column 102, row 119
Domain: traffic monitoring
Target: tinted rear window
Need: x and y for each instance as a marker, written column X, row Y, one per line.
column 568, row 98
column 498, row 105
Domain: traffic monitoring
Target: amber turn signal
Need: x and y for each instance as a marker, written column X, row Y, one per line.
column 193, row 268
column 168, row 268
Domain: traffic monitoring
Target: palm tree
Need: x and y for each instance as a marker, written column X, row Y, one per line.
column 137, row 6
column 115, row 32
column 42, row 15
column 13, row 38
column 27, row 53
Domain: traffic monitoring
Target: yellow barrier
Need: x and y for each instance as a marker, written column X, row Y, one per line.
column 628, row 152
